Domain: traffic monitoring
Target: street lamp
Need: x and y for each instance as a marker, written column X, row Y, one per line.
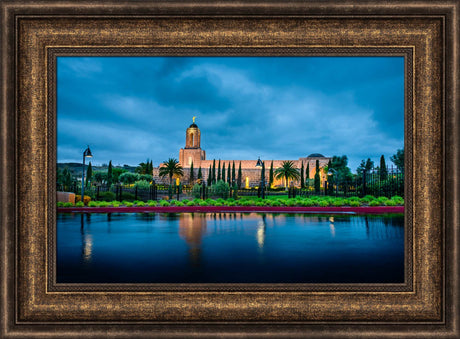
column 334, row 172
column 260, row 163
column 86, row 154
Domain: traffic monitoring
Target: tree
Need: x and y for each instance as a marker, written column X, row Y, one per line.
column 367, row 166
column 342, row 173
column 213, row 177
column 307, row 176
column 170, row 168
column 383, row 169
column 302, row 179
column 317, row 178
column 218, row 172
column 398, row 159
column 89, row 174
column 233, row 172
column 262, row 173
column 109, row 174
column 192, row 175
column 223, row 172
column 129, row 178
column 66, row 177
column 144, row 168
column 229, row 174
column 116, row 172
column 287, row 171
column 210, row 176
column 200, row 175
column 270, row 175
column 240, row 176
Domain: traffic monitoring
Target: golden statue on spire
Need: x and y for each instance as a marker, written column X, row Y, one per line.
column 193, row 119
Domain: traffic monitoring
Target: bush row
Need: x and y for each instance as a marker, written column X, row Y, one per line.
column 310, row 201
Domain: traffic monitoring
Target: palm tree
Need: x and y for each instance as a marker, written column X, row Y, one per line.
column 170, row 168
column 287, row 171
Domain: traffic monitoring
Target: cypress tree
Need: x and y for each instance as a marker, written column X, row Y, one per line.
column 317, row 179
column 151, row 167
column 229, row 175
column 89, row 174
column 307, row 176
column 209, row 176
column 200, row 175
column 223, row 172
column 213, row 177
column 192, row 175
column 240, row 176
column 233, row 172
column 383, row 169
column 109, row 174
column 218, row 172
column 302, row 179
column 270, row 175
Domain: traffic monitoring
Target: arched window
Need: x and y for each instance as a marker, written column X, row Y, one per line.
column 191, row 140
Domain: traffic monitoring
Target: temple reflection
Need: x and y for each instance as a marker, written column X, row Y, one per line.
column 192, row 229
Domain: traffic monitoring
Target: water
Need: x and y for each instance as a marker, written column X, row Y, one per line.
column 229, row 248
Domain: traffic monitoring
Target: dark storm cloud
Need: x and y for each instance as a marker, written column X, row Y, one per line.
column 131, row 109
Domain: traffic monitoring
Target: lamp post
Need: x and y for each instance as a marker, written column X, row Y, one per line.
column 334, row 172
column 260, row 163
column 86, row 154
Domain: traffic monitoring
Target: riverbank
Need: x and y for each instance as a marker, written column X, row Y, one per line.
column 241, row 209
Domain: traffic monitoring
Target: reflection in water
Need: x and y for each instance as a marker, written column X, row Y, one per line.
column 192, row 229
column 229, row 247
column 86, row 243
column 331, row 226
column 261, row 227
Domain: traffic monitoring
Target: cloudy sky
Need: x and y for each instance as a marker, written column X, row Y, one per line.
column 129, row 109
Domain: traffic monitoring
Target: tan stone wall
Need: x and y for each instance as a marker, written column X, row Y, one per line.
column 65, row 197
column 249, row 170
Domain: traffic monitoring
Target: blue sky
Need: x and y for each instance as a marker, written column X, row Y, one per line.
column 129, row 109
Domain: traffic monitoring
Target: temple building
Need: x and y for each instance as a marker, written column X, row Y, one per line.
column 192, row 153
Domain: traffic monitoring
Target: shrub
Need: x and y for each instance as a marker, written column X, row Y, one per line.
column 367, row 198
column 106, row 196
column 79, row 204
column 231, row 203
column 354, row 203
column 92, row 204
column 115, row 203
column 382, row 199
column 185, row 201
column 221, row 189
column 143, row 184
column 190, row 203
column 68, row 204
column 103, row 204
column 203, row 203
column 218, row 204
column 196, row 191
column 307, row 202
column 140, row 203
column 129, row 204
column 390, row 203
column 398, row 200
column 86, row 199
column 164, row 203
column 151, row 203
column 173, row 202
column 60, row 204
column 374, row 203
column 323, row 203
column 180, row 203
column 338, row 202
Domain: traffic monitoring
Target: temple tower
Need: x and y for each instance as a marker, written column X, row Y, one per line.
column 192, row 151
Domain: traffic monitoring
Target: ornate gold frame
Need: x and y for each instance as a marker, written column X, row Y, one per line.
column 425, row 33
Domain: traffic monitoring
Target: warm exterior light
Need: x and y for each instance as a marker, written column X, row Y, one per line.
column 87, row 153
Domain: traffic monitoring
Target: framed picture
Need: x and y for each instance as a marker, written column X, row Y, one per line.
column 45, row 293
